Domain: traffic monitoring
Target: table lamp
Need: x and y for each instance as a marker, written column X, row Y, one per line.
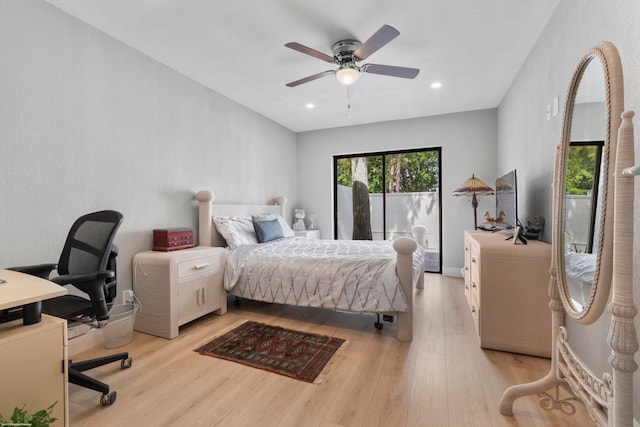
column 474, row 187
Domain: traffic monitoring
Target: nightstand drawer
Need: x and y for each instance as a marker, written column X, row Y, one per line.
column 198, row 267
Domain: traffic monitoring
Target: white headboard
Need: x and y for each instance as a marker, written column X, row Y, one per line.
column 207, row 233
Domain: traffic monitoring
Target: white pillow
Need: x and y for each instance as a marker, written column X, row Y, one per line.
column 236, row 230
column 286, row 228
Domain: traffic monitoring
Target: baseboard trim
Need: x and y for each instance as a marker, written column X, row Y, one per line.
column 93, row 338
column 451, row 272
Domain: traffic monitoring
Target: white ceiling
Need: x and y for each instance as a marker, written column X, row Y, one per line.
column 474, row 47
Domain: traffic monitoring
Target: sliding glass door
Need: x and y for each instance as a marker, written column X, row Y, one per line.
column 583, row 197
column 381, row 196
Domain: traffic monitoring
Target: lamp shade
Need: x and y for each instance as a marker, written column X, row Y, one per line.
column 474, row 186
column 347, row 75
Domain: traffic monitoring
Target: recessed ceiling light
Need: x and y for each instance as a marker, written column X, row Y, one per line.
column 310, row 106
column 436, row 85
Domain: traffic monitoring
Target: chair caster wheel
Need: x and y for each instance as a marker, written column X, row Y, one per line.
column 379, row 325
column 108, row 399
column 126, row 363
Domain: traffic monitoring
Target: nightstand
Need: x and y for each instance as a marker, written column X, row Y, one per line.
column 177, row 287
column 309, row 234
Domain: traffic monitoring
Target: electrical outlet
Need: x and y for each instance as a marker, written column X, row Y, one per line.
column 127, row 296
column 388, row 318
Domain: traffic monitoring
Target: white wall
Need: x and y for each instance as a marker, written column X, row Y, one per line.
column 87, row 123
column 468, row 142
column 528, row 139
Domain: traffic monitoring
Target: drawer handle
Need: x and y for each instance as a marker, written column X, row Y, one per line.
column 201, row 266
column 473, row 260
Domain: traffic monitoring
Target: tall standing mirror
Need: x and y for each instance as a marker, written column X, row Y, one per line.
column 582, row 228
column 592, row 245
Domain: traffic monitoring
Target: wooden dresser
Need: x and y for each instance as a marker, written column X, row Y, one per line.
column 506, row 286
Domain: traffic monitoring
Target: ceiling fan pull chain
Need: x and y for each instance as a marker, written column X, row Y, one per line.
column 346, row 112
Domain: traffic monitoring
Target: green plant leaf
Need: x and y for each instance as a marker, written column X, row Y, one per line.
column 41, row 418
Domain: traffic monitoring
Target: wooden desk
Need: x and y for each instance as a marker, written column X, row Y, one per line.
column 34, row 357
column 22, row 290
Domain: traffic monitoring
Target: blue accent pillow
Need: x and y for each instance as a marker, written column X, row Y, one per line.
column 267, row 231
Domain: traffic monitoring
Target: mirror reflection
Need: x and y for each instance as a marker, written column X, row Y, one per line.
column 584, row 184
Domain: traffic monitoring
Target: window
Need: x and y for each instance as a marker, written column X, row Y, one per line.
column 381, row 196
column 582, row 191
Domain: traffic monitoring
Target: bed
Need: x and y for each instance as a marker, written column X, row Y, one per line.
column 353, row 276
column 579, row 275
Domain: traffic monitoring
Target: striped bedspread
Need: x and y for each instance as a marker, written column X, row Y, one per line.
column 349, row 275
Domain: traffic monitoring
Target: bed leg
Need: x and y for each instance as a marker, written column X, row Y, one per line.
column 420, row 284
column 378, row 323
column 405, row 247
column 236, row 301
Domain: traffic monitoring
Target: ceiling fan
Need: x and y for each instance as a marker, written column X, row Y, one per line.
column 346, row 54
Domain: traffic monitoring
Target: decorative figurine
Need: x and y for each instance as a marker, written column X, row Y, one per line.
column 299, row 224
column 312, row 221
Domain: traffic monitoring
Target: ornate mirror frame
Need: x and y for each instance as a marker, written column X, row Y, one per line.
column 605, row 56
column 609, row 400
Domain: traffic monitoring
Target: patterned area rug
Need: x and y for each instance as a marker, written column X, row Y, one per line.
column 295, row 354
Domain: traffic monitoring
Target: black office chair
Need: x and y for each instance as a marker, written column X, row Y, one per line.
column 88, row 262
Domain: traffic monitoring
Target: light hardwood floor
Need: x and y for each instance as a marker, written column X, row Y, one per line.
column 442, row 378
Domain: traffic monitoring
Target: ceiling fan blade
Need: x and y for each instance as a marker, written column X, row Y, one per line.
column 311, row 52
column 390, row 70
column 381, row 37
column 310, row 78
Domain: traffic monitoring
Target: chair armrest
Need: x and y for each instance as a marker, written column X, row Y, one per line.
column 92, row 284
column 83, row 281
column 41, row 270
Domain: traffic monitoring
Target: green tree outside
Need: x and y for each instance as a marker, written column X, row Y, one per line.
column 581, row 162
column 405, row 172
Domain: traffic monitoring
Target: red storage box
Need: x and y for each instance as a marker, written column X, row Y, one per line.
column 171, row 239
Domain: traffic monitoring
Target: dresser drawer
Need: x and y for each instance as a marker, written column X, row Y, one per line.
column 475, row 312
column 467, row 264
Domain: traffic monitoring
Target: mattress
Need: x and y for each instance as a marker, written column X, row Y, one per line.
column 348, row 275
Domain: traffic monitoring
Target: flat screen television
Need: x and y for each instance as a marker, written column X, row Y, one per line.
column 507, row 201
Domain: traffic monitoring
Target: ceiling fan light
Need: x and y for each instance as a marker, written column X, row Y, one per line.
column 347, row 75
